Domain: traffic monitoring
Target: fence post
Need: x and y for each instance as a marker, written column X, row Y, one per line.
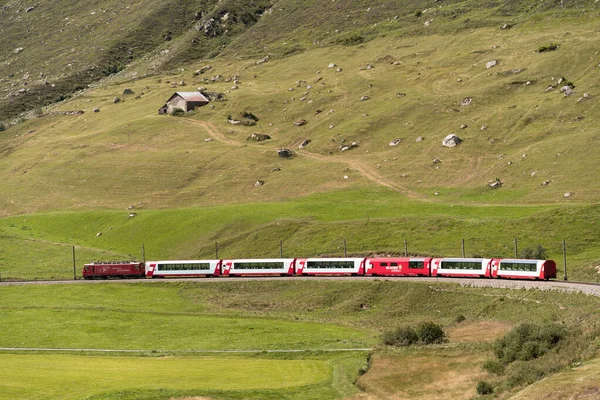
column 143, row 253
column 463, row 247
column 516, row 248
column 564, row 243
column 280, row 249
column 217, row 250
column 405, row 248
column 344, row 247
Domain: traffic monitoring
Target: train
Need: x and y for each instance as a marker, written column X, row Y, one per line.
column 490, row 268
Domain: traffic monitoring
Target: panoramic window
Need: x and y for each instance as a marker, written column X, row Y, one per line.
column 330, row 264
column 258, row 265
column 183, row 267
column 520, row 266
column 468, row 265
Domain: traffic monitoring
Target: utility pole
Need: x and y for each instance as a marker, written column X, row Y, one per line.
column 463, row 247
column 280, row 249
column 143, row 253
column 405, row 248
column 564, row 243
column 217, row 250
column 74, row 265
column 344, row 247
column 516, row 248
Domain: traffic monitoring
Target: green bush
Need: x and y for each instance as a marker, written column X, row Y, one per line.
column 548, row 47
column 2, row 127
column 460, row 318
column 539, row 253
column 177, row 112
column 527, row 342
column 494, row 367
column 430, row 332
column 402, row 336
column 484, row 387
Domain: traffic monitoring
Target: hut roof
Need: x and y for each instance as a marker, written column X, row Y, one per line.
column 190, row 96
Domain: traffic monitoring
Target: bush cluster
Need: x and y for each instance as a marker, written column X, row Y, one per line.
column 424, row 333
column 538, row 253
column 527, row 342
column 548, row 47
column 2, row 127
column 484, row 387
column 177, row 112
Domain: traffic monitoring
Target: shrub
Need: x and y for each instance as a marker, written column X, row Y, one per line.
column 539, row 253
column 177, row 112
column 249, row 115
column 548, row 47
column 418, row 13
column 494, row 367
column 484, row 387
column 527, row 342
column 402, row 336
column 430, row 332
column 460, row 318
column 2, row 127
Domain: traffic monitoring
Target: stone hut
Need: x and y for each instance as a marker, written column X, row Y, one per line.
column 187, row 101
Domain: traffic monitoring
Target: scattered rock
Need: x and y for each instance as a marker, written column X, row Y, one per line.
column 18, row 50
column 276, row 169
column 546, row 182
column 437, row 161
column 131, row 215
column 585, row 97
column 364, row 98
column 451, row 140
column 207, row 140
column 428, row 22
column 332, row 65
column 495, row 184
column 96, row 110
column 420, row 139
column 300, row 122
column 128, row 91
column 463, row 126
column 568, row 194
column 98, row 234
column 483, row 127
column 203, row 70
column 258, row 137
column 259, row 183
column 395, row 142
column 491, row 64
column 331, row 126
column 567, row 90
column 304, row 144
column 339, row 70
column 29, row 9
column 400, row 95
column 116, row 100
column 285, row 153
column 347, row 147
column 262, row 60
column 506, row 26
column 466, row 101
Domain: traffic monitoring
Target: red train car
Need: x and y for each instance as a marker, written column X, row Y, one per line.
column 396, row 266
column 113, row 269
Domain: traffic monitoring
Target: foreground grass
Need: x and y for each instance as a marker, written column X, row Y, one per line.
column 46, row 376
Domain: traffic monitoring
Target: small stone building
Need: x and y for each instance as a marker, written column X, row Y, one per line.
column 187, row 101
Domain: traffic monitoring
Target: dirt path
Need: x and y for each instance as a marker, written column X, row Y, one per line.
column 366, row 171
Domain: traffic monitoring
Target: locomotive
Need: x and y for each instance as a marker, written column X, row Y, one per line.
column 346, row 266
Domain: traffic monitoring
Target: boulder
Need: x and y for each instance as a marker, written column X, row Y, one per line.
column 285, row 153
column 259, row 183
column 567, row 90
column 491, row 64
column 258, row 137
column 116, row 100
column 466, row 101
column 395, row 142
column 128, row 91
column 300, row 122
column 364, row 98
column 304, row 144
column 451, row 140
column 420, row 139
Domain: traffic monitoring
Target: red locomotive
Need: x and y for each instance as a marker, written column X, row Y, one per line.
column 113, row 269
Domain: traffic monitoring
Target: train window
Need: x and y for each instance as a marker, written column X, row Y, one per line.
column 415, row 264
column 518, row 266
column 258, row 265
column 470, row 265
column 383, row 264
column 393, row 264
column 183, row 267
column 330, row 264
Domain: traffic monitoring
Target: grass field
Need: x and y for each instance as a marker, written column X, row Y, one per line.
column 164, row 320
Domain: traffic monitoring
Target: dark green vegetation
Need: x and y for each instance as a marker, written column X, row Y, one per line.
column 426, row 332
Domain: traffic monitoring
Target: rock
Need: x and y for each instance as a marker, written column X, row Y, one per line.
column 463, row 126
column 128, row 91
column 285, row 153
column 331, row 126
column 304, row 144
column 568, row 194
column 428, row 22
column 400, row 95
column 300, row 122
column 364, row 98
column 259, row 183
column 437, row 161
column 466, row 101
column 182, row 83
column 98, row 234
column 203, row 70
column 332, row 65
column 263, row 60
column 116, row 100
column 396, row 63
column 451, row 140
column 339, row 70
column 275, row 169
column 18, row 50
column 96, row 110
column 483, row 127
column 131, row 207
column 258, row 137
column 495, row 184
column 506, row 26
column 491, row 64
column 207, row 140
column 567, row 90
column 29, row 9
column 546, row 182
column 346, row 147
column 420, row 139
column 234, row 121
column 131, row 215
column 395, row 142
column 583, row 98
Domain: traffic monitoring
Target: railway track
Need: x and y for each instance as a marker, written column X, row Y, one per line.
column 564, row 286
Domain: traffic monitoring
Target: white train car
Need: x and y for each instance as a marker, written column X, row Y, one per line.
column 523, row 269
column 462, row 267
column 259, row 267
column 330, row 266
column 183, row 268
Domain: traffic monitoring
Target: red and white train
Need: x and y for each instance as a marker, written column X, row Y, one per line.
column 357, row 266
